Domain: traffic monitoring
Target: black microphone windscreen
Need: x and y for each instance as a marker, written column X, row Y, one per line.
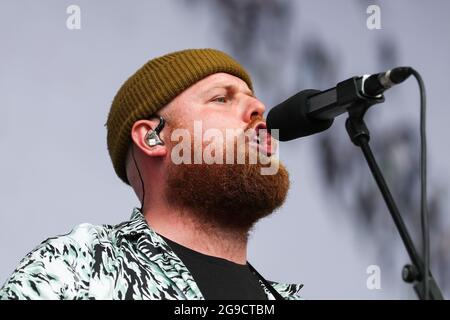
column 291, row 119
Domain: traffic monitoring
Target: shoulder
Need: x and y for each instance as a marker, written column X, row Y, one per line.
column 73, row 246
column 83, row 236
column 58, row 267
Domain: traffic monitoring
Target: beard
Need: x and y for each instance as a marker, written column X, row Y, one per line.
column 228, row 197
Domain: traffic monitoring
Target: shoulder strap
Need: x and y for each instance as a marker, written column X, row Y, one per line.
column 269, row 287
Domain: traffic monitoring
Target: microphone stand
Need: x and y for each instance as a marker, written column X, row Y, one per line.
column 348, row 94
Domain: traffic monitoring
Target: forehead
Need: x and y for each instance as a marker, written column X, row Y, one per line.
column 219, row 80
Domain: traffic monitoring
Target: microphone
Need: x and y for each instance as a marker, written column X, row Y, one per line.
column 376, row 84
column 313, row 111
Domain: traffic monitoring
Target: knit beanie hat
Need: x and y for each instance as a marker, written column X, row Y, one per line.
column 153, row 86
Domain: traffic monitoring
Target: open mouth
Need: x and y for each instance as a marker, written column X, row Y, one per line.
column 263, row 139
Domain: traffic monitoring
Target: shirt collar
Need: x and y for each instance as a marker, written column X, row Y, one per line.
column 137, row 227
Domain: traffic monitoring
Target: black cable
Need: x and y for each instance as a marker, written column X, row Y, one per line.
column 423, row 184
column 140, row 177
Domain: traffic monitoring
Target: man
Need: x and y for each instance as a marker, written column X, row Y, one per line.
column 189, row 238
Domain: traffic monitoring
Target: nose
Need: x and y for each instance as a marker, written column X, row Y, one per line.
column 252, row 108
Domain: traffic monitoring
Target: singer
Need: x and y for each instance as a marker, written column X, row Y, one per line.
column 189, row 238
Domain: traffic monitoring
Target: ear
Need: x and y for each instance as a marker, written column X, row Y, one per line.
column 139, row 131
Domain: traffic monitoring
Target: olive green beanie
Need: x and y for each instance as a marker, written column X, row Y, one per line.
column 153, row 86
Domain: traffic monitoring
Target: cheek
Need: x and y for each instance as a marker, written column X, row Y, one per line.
column 220, row 120
column 197, row 116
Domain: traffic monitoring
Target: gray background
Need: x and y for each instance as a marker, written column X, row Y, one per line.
column 56, row 87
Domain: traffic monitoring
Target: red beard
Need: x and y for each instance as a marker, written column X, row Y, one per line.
column 231, row 197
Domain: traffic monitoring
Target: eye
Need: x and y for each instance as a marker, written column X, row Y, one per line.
column 220, row 99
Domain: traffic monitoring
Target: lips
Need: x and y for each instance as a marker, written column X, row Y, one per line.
column 263, row 139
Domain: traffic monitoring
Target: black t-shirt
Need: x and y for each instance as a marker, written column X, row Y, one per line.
column 219, row 278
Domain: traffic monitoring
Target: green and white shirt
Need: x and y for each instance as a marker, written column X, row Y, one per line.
column 126, row 261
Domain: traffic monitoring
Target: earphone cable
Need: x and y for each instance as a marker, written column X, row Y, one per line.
column 140, row 177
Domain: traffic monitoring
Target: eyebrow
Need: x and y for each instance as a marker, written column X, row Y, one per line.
column 230, row 87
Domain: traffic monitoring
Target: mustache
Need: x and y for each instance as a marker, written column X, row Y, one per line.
column 254, row 120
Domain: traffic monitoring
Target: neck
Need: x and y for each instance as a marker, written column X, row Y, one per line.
column 182, row 227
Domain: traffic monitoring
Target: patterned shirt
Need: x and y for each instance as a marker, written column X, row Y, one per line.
column 126, row 261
